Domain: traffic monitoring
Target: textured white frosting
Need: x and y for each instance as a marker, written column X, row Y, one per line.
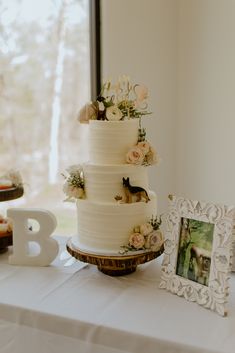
column 109, row 141
column 104, row 227
column 104, row 182
column 104, row 224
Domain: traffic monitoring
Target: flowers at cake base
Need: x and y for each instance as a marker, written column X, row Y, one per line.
column 74, row 185
column 137, row 241
column 146, row 236
column 154, row 240
column 119, row 101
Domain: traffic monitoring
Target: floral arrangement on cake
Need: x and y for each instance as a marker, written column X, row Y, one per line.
column 146, row 236
column 74, row 185
column 142, row 153
column 119, row 101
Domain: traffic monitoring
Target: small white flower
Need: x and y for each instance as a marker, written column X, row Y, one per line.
column 74, row 183
column 113, row 113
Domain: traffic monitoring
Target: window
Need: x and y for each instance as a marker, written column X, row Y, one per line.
column 46, row 63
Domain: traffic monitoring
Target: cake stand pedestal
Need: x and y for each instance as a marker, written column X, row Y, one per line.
column 110, row 264
column 8, row 195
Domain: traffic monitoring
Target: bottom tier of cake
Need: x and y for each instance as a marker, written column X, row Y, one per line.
column 104, row 227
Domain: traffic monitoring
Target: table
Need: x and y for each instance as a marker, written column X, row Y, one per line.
column 59, row 309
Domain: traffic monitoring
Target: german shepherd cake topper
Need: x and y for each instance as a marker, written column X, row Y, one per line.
column 132, row 193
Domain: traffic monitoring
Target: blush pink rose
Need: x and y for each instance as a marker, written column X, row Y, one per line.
column 137, row 241
column 141, row 92
column 135, row 156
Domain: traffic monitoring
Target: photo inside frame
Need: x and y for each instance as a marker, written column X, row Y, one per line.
column 194, row 250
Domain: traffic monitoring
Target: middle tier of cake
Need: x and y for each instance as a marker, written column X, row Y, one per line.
column 104, row 182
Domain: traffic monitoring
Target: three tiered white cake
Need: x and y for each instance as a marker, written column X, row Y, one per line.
column 116, row 210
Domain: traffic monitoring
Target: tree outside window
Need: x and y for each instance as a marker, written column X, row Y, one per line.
column 44, row 80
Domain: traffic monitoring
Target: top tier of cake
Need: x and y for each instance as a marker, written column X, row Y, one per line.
column 109, row 141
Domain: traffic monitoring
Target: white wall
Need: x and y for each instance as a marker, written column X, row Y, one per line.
column 206, row 114
column 139, row 39
column 184, row 50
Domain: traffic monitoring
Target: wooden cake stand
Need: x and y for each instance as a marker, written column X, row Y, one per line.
column 7, row 195
column 113, row 265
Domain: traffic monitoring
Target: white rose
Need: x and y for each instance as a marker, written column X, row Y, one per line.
column 113, row 113
column 154, row 240
column 146, row 229
column 135, row 156
column 137, row 241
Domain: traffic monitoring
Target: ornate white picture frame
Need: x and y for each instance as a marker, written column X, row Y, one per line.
column 198, row 252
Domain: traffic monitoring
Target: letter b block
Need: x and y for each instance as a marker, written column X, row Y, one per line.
column 22, row 237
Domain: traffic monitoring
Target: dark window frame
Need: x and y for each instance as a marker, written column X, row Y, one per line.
column 95, row 48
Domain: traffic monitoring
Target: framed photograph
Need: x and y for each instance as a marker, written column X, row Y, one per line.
column 198, row 252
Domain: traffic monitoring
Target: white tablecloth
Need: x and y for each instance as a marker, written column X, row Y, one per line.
column 68, row 309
